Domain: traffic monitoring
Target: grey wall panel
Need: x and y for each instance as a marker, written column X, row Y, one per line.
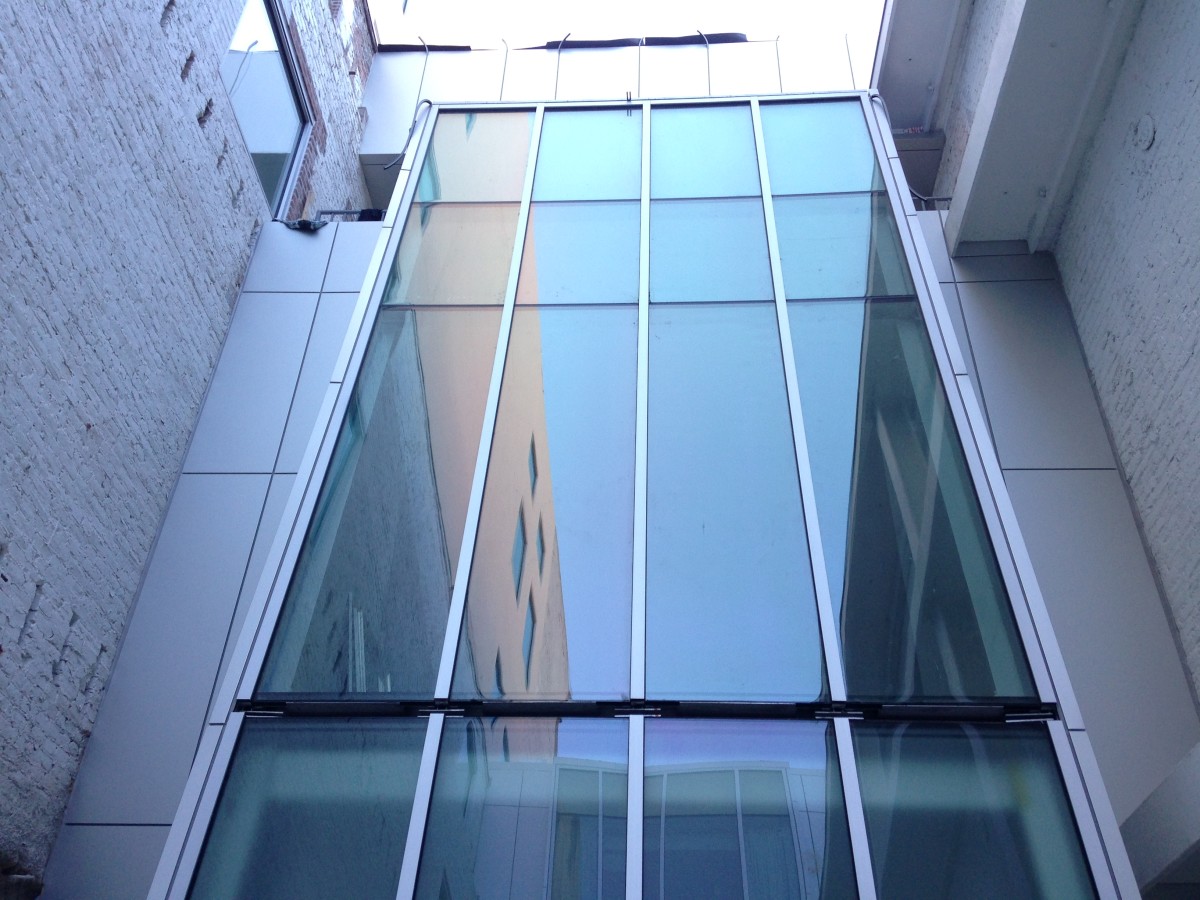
column 529, row 74
column 287, row 260
column 1035, row 386
column 673, row 72
column 1163, row 834
column 244, row 415
column 352, row 248
column 268, row 527
column 598, row 74
column 954, row 308
column 750, row 68
column 935, row 240
column 104, row 862
column 1111, row 625
column 390, row 98
column 459, row 77
column 814, row 64
column 334, row 312
column 138, row 757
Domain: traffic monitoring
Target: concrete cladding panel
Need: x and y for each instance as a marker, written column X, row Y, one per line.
column 1129, row 252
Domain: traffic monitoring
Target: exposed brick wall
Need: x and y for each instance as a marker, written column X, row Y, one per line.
column 1129, row 252
column 129, row 205
column 956, row 110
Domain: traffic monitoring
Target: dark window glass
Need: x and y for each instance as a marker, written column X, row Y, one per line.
column 313, row 809
column 581, row 253
column 703, row 152
column 546, row 819
column 967, row 811
column 439, row 238
column 708, row 250
column 922, row 610
column 729, row 598
column 840, row 246
column 815, row 148
column 366, row 614
column 476, row 157
column 744, row 809
column 258, row 80
column 590, row 155
column 569, row 388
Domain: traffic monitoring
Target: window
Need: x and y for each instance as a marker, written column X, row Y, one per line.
column 259, row 79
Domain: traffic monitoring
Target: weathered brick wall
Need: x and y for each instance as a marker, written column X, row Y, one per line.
column 1129, row 252
column 129, row 205
column 956, row 109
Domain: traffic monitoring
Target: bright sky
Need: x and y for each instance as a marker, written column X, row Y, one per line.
column 524, row 23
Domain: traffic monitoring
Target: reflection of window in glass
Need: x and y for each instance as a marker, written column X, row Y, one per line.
column 527, row 642
column 533, row 468
column 518, row 553
column 261, row 86
column 541, row 548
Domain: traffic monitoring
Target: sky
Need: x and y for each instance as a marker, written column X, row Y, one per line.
column 525, row 23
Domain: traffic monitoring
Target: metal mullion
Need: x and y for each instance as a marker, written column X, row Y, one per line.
column 475, row 504
column 816, row 552
column 635, row 810
column 856, row 818
column 420, row 808
column 637, row 649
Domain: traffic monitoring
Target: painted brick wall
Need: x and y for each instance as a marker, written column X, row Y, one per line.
column 956, row 110
column 129, row 205
column 1129, row 253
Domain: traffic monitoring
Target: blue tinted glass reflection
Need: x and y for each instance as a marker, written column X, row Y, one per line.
column 842, row 246
column 581, row 253
column 729, row 597
column 476, row 157
column 817, row 148
column 968, row 811
column 703, row 151
column 590, row 155
column 312, row 809
column 527, row 808
column 744, row 809
column 569, row 390
column 708, row 250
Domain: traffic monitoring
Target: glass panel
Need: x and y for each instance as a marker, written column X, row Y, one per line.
column 581, row 253
column 313, row 808
column 256, row 78
column 365, row 614
column 569, row 388
column 844, row 246
column 967, row 811
column 708, row 250
column 476, row 157
column 744, row 809
column 590, row 155
column 438, row 238
column 817, row 148
column 527, row 808
column 922, row 609
column 703, row 151
column 729, row 598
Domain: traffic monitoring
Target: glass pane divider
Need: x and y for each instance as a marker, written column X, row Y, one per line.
column 475, row 504
column 635, row 816
column 835, row 672
column 420, row 809
column 637, row 650
column 855, row 815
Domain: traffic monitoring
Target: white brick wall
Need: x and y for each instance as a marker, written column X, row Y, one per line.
column 127, row 227
column 1129, row 252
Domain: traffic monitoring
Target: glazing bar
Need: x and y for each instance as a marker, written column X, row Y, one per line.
column 816, row 551
column 459, row 597
column 637, row 649
column 420, row 810
column 1085, row 822
column 859, row 845
column 635, row 816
